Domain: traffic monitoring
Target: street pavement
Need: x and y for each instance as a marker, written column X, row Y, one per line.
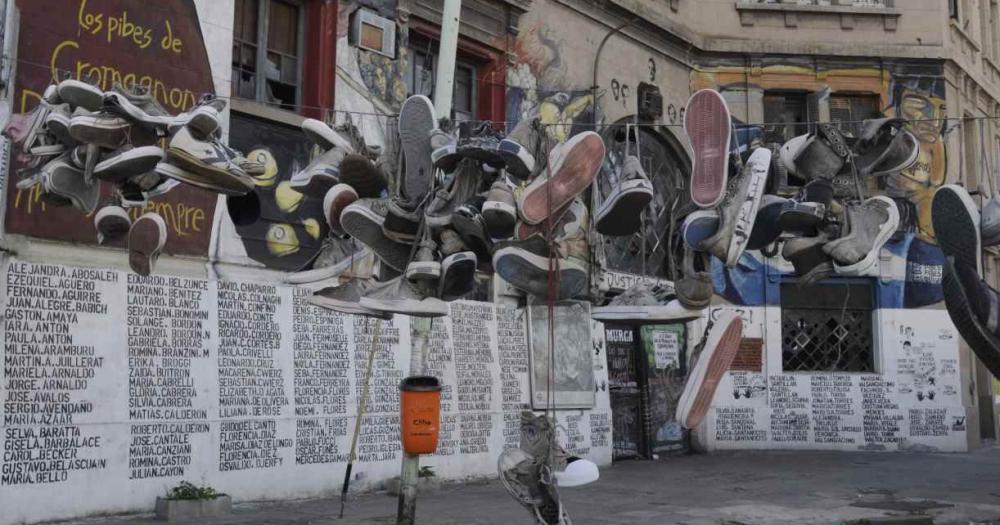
column 727, row 488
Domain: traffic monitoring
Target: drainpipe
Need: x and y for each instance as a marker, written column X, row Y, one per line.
column 445, row 80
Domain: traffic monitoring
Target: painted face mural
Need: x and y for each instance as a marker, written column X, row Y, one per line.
column 911, row 262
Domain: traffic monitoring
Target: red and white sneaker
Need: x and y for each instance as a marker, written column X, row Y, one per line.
column 708, row 126
column 713, row 361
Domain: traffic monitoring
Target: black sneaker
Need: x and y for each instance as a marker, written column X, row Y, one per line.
column 363, row 220
column 458, row 276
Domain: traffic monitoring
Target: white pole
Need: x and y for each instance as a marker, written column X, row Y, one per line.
column 445, row 81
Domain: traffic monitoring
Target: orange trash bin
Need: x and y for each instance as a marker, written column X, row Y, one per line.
column 420, row 414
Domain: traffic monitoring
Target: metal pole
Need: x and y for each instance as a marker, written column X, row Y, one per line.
column 406, row 512
column 362, row 405
column 445, row 80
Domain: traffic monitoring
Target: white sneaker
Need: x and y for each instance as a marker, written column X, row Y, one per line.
column 208, row 164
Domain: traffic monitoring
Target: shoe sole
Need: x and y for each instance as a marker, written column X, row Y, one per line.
column 457, row 268
column 956, row 225
column 500, row 218
column 197, row 173
column 760, row 164
column 885, row 231
column 106, row 135
column 789, row 151
column 146, row 239
column 530, row 273
column 983, row 343
column 345, row 307
column 699, row 226
column 429, row 307
column 366, row 226
column 321, row 135
column 671, row 312
column 68, row 182
column 708, row 126
column 328, row 272
column 423, row 271
column 334, row 202
column 580, row 163
column 520, row 164
column 416, row 121
column 81, row 94
column 621, row 213
column 133, row 162
column 910, row 161
column 205, row 120
column 473, row 235
column 721, row 348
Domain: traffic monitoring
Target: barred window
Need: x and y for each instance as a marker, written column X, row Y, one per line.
column 827, row 327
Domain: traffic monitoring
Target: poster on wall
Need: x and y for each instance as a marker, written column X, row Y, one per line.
column 157, row 45
column 572, row 375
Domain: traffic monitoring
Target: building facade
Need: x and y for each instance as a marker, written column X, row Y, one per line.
column 216, row 370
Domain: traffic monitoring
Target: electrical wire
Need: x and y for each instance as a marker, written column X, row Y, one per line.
column 738, row 126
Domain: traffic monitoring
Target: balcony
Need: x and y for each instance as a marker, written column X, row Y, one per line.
column 848, row 10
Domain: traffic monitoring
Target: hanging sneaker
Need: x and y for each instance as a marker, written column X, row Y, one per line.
column 127, row 162
column 458, row 276
column 646, row 303
column 333, row 259
column 463, row 186
column 990, row 222
column 482, row 146
column 202, row 119
column 708, row 127
column 400, row 296
column 363, row 220
column 788, row 152
column 884, row 147
column 210, row 165
column 334, row 202
column 621, row 212
column 324, row 137
column 79, row 94
column 522, row 147
column 767, row 228
column 139, row 106
column 973, row 306
column 698, row 226
column 525, row 265
column 811, row 262
column 112, row 224
column 320, row 175
column 346, row 298
column 739, row 210
column 57, row 122
column 572, row 167
column 470, row 225
column 60, row 178
column 500, row 210
column 823, row 153
column 444, row 150
column 416, row 122
column 103, row 128
column 694, row 290
column 869, row 226
column 717, row 354
column 957, row 225
column 360, row 173
column 402, row 221
column 146, row 240
column 425, row 266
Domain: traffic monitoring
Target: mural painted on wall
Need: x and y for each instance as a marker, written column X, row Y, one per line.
column 537, row 86
column 128, row 41
column 911, row 261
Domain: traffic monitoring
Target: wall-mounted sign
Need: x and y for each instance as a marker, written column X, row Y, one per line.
column 154, row 44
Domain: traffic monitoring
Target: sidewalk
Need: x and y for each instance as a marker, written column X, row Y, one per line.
column 720, row 488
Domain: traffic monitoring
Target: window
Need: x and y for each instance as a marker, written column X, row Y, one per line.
column 850, row 110
column 970, row 147
column 421, row 73
column 785, row 115
column 827, row 327
column 267, row 52
column 953, row 9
